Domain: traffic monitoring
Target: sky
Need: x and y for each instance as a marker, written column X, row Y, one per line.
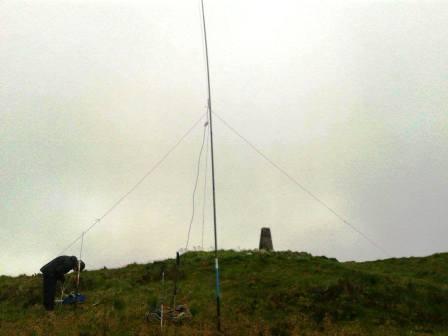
column 348, row 97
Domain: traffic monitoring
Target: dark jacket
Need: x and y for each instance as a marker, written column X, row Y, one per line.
column 59, row 266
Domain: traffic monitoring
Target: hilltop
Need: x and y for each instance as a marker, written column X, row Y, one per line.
column 278, row 293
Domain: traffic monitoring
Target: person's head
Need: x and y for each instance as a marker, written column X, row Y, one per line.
column 81, row 263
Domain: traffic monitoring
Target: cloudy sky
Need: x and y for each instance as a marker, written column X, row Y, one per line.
column 348, row 97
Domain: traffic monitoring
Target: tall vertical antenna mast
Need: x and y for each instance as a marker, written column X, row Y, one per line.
column 209, row 104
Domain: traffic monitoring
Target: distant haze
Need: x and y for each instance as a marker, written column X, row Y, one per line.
column 349, row 97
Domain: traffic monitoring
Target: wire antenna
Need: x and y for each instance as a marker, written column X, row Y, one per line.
column 122, row 198
column 196, row 185
column 306, row 190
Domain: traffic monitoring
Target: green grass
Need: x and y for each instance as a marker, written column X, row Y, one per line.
column 281, row 293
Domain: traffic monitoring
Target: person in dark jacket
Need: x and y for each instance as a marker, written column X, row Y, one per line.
column 54, row 271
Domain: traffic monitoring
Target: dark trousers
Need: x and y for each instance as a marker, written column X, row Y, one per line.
column 49, row 291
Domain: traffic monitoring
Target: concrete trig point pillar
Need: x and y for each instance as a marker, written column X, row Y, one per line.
column 266, row 240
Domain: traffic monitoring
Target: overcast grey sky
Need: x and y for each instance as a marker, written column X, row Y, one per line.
column 350, row 97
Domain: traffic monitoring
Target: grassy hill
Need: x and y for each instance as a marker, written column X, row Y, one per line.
column 281, row 293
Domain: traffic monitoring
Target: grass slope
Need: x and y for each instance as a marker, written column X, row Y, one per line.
column 281, row 293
